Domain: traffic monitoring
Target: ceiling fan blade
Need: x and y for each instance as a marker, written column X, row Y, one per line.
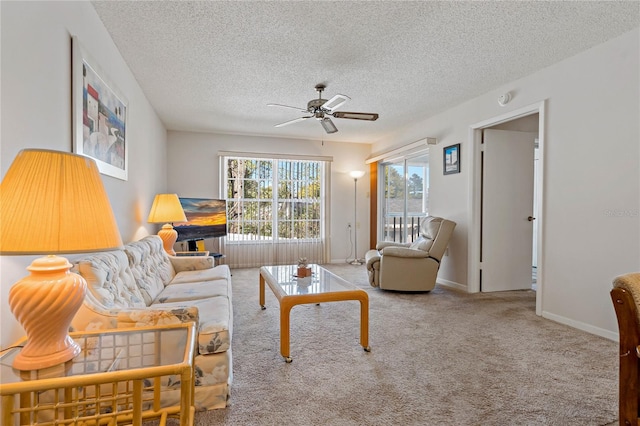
column 336, row 102
column 295, row 120
column 369, row 116
column 328, row 125
column 288, row 106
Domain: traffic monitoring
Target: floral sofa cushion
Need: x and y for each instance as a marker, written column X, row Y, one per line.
column 110, row 280
column 214, row 333
column 193, row 291
column 150, row 266
column 221, row 273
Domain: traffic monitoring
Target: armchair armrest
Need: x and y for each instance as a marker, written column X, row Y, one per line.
column 188, row 263
column 384, row 244
column 371, row 257
column 405, row 252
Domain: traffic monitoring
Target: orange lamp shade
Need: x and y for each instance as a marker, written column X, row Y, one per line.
column 55, row 202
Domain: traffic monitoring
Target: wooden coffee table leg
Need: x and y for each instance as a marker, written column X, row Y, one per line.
column 262, row 292
column 285, row 313
column 364, row 322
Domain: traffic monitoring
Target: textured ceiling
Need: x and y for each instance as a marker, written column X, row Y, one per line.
column 214, row 66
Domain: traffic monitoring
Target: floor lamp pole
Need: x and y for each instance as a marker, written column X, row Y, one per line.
column 355, row 176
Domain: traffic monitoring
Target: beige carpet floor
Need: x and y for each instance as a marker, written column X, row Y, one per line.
column 439, row 358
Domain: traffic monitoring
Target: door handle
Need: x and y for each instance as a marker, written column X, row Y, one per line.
column 531, row 218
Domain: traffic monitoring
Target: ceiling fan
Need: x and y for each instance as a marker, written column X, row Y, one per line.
column 322, row 109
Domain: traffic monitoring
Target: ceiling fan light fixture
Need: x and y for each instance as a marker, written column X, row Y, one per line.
column 328, row 125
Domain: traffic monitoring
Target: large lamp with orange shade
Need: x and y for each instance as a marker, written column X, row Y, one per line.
column 52, row 202
column 167, row 209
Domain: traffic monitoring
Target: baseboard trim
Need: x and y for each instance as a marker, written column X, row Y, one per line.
column 342, row 261
column 452, row 284
column 582, row 326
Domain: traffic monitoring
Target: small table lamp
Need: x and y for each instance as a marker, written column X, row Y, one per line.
column 52, row 202
column 167, row 208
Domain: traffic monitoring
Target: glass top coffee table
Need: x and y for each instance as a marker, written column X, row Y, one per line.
column 322, row 286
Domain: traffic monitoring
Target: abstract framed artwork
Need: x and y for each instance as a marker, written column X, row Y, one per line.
column 99, row 115
column 451, row 159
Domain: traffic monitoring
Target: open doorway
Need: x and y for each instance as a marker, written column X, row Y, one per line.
column 507, row 247
column 527, row 119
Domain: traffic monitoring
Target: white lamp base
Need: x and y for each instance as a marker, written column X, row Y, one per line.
column 356, row 262
column 44, row 303
column 169, row 237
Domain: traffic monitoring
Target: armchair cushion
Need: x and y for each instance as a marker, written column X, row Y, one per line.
column 430, row 228
column 383, row 244
column 405, row 252
column 422, row 244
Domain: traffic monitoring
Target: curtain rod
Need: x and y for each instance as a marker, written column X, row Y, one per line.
column 400, row 150
column 275, row 156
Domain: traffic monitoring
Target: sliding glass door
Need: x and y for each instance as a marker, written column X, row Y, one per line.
column 404, row 195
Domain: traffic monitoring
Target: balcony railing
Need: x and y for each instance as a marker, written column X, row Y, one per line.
column 394, row 227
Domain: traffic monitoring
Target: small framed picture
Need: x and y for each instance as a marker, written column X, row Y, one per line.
column 451, row 159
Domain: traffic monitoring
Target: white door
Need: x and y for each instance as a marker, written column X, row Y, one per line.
column 507, row 210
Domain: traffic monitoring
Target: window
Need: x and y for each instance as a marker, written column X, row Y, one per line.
column 275, row 210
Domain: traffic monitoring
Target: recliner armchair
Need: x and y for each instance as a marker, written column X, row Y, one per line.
column 410, row 266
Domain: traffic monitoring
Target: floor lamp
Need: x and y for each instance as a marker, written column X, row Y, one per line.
column 356, row 174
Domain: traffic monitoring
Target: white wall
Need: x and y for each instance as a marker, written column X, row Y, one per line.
column 195, row 172
column 591, row 230
column 36, row 113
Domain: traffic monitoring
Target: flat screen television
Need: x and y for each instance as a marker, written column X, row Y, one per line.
column 206, row 218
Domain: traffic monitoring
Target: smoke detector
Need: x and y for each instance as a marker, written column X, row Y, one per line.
column 504, row 99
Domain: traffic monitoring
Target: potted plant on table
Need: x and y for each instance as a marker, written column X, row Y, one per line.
column 304, row 270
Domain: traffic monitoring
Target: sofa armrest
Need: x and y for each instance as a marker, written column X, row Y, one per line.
column 156, row 316
column 93, row 316
column 191, row 263
column 384, row 244
column 405, row 252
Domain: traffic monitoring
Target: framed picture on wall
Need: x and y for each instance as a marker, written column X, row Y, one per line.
column 99, row 115
column 451, row 159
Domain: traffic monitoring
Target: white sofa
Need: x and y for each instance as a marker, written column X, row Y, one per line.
column 142, row 285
